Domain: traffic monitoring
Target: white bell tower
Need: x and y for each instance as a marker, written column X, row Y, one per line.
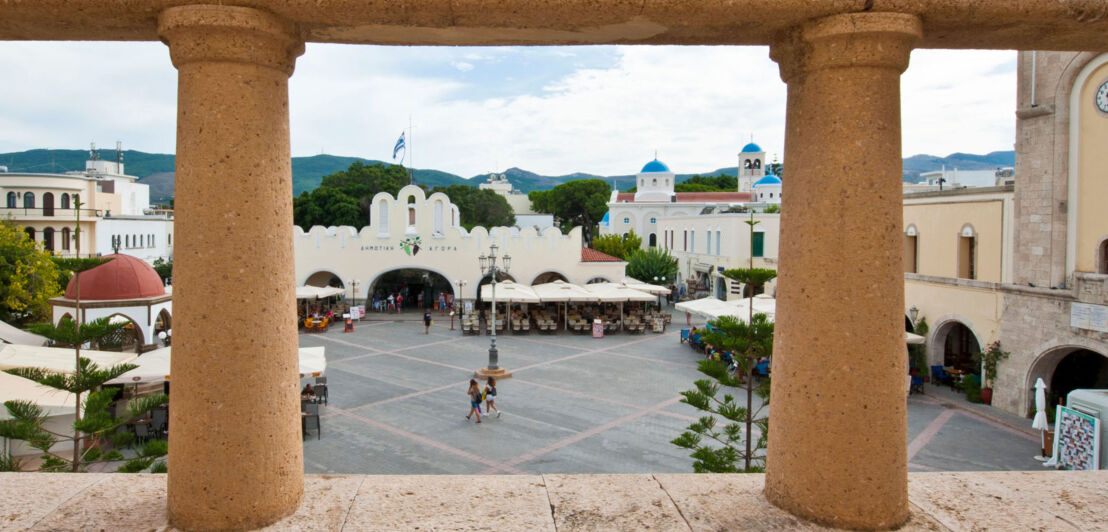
column 752, row 166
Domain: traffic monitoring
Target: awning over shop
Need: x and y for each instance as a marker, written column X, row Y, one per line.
column 59, row 359
column 14, row 335
column 153, row 367
column 560, row 291
column 318, row 292
column 52, row 401
column 644, row 287
column 509, row 291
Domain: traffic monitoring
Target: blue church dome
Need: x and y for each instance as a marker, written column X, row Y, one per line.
column 654, row 166
column 752, row 148
column 768, row 180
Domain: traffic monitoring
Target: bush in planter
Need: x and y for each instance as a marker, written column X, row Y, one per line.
column 972, row 387
column 989, row 359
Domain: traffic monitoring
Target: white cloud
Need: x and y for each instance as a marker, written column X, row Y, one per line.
column 696, row 105
column 462, row 66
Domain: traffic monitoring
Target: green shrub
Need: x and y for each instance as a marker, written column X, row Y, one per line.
column 972, row 388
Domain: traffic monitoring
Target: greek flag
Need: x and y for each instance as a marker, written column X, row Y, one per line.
column 399, row 146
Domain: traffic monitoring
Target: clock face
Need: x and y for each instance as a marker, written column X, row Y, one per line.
column 1102, row 97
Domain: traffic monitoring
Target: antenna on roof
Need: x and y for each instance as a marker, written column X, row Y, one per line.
column 92, row 154
column 655, row 154
column 119, row 152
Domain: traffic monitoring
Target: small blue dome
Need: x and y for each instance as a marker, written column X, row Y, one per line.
column 654, row 166
column 752, row 148
column 767, row 180
column 604, row 220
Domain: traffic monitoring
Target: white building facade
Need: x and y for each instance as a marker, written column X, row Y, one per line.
column 414, row 232
column 115, row 212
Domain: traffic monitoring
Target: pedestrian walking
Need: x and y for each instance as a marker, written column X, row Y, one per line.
column 474, row 393
column 399, row 302
column 490, row 397
column 392, row 303
column 427, row 321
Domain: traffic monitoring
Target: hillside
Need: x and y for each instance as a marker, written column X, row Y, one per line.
column 156, row 169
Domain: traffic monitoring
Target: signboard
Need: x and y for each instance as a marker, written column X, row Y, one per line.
column 1077, row 441
column 469, row 307
column 1086, row 316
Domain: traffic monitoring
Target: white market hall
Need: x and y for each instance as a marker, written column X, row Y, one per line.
column 416, row 240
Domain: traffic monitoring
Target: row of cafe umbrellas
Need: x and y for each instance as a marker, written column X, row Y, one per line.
column 711, row 308
column 318, row 292
column 563, row 292
column 153, row 367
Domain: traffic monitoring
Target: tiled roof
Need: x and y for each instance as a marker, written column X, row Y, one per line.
column 123, row 277
column 592, row 255
column 694, row 197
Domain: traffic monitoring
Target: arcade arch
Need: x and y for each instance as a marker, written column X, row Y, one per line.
column 324, row 278
column 547, row 277
column 128, row 338
column 953, row 343
column 1065, row 368
column 410, row 282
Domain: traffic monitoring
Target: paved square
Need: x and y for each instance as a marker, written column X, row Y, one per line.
column 575, row 404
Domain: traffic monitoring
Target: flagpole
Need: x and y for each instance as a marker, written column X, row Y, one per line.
column 411, row 162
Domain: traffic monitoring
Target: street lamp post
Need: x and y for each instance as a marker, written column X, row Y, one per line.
column 459, row 303
column 490, row 267
column 663, row 279
column 355, row 284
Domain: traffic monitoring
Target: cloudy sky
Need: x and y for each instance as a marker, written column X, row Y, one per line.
column 551, row 110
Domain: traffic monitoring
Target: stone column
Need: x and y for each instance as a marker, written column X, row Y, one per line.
column 837, row 439
column 235, row 456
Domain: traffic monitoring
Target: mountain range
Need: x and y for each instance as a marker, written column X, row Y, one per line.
column 156, row 169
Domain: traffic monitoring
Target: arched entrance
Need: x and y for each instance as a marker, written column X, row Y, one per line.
column 546, row 277
column 162, row 324
column 323, row 279
column 954, row 345
column 1068, row 368
column 501, row 277
column 416, row 285
column 128, row 338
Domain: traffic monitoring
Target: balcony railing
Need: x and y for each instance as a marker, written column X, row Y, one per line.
column 44, row 212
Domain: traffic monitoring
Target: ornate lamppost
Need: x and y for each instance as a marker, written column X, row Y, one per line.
column 490, row 267
column 663, row 279
column 459, row 302
column 354, row 285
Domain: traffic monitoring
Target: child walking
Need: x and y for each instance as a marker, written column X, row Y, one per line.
column 474, row 400
column 490, row 397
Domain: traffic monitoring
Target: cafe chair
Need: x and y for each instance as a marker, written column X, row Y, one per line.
column 312, row 416
column 321, row 392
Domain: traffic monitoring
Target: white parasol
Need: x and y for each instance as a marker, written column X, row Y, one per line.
column 1040, row 406
column 559, row 291
column 60, row 359
column 153, row 367
column 52, row 401
column 509, row 291
column 612, row 292
column 631, row 282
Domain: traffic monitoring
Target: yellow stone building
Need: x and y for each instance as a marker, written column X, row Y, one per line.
column 1026, row 264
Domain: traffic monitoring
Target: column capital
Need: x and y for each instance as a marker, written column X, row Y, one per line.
column 875, row 40
column 202, row 33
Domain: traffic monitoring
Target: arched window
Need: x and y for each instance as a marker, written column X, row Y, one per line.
column 757, row 163
column 12, row 199
column 65, row 239
column 438, row 217
column 48, row 204
column 383, row 217
column 911, row 249
column 746, row 164
column 411, row 210
column 28, row 200
column 48, row 239
column 654, row 183
column 967, row 251
column 653, row 240
column 65, row 201
column 30, row 233
column 1102, row 257
column 667, row 181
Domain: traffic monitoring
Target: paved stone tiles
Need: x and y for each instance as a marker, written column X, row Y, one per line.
column 575, row 404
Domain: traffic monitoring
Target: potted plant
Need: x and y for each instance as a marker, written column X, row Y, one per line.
column 989, row 360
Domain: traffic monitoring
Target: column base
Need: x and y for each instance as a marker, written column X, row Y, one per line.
column 498, row 373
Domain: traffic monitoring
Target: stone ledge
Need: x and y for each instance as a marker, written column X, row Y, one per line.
column 1046, row 500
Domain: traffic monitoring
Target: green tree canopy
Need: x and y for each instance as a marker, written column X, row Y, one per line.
column 618, row 245
column 28, row 278
column 479, row 207
column 645, row 265
column 577, row 203
column 717, row 183
column 343, row 197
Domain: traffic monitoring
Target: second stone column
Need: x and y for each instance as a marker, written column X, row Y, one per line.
column 837, row 450
column 235, row 456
